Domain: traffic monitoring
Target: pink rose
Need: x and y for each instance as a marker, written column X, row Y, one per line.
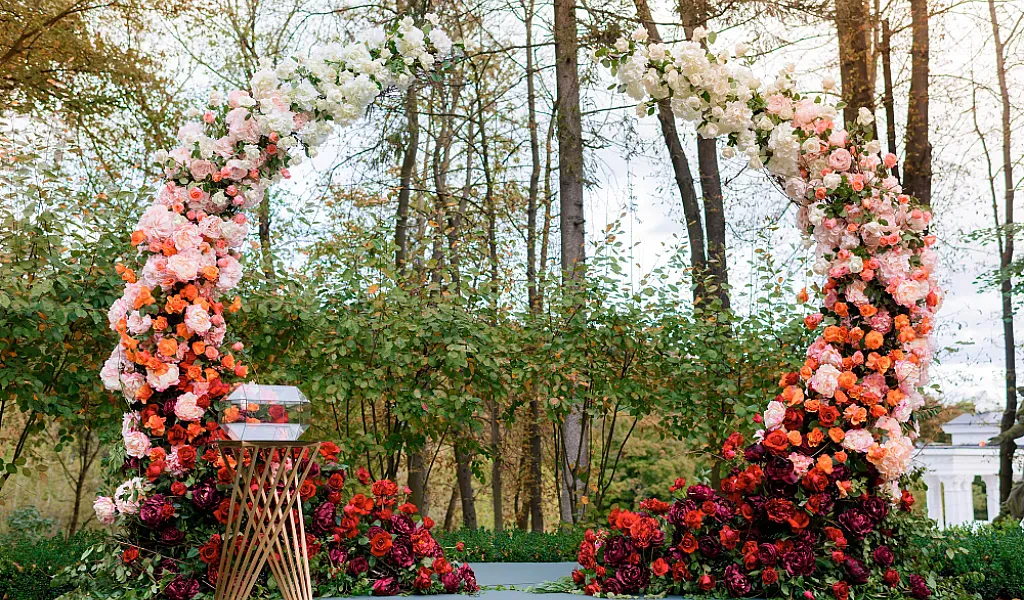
column 840, row 159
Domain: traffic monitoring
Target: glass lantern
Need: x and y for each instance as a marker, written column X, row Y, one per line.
column 266, row 413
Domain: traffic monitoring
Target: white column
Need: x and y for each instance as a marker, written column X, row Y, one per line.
column 992, row 493
column 959, row 500
column 933, row 498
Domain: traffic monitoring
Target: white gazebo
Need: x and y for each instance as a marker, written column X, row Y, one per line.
column 951, row 469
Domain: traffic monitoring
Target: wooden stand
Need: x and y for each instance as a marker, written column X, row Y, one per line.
column 265, row 519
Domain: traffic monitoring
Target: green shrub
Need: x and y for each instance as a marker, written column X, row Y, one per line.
column 29, row 563
column 512, row 545
column 995, row 552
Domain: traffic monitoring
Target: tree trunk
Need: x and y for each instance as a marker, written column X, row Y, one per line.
column 917, row 168
column 852, row 22
column 416, row 462
column 406, row 175
column 1008, row 446
column 449, row 514
column 714, row 217
column 86, row 456
column 888, row 101
column 680, row 168
column 576, row 459
column 535, row 167
column 464, row 476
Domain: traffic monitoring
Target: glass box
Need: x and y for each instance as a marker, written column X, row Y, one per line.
column 266, row 413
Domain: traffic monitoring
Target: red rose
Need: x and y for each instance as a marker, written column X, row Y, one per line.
column 706, row 583
column 815, row 480
column 841, row 590
column 178, row 488
column 693, row 519
column 688, row 544
column 891, row 578
column 154, row 469
column 769, row 576
column 187, row 457
column 680, row 572
column 659, row 567
column 209, row 552
column 587, row 555
column 380, row 545
column 729, row 537
column 906, row 500
column 441, row 566
column 336, row 481
column 578, row 577
column 307, row 491
column 408, row 508
column 428, row 522
column 593, row 588
column 334, row 497
column 177, row 435
column 277, row 413
column 838, row 556
column 130, row 555
column 363, row 476
column 799, row 520
column 384, row 489
column 779, row 510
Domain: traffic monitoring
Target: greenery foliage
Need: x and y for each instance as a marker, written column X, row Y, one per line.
column 512, row 545
column 29, row 564
column 994, row 552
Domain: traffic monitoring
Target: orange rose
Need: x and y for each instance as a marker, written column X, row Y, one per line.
column 167, row 346
column 867, row 310
column 835, row 334
column 776, row 441
column 873, row 340
column 836, row 434
column 380, row 545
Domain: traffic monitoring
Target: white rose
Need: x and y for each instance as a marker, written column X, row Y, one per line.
column 186, row 408
column 774, row 415
column 865, row 117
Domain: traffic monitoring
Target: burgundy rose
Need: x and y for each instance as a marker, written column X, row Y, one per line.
column 181, row 588
column 402, row 524
column 883, row 556
column 172, row 536
column 612, row 586
column 709, row 546
column 675, row 514
column 205, row 495
column 323, row 519
column 358, row 565
column 876, row 508
column 387, row 586
column 799, row 561
column 755, row 453
column 918, row 588
column 634, row 578
column 736, row 581
column 780, row 469
column 617, row 550
column 338, row 556
column 856, row 572
column 152, row 511
column 451, row 581
column 768, row 554
column 469, row 583
column 856, row 522
column 700, row 493
column 401, row 553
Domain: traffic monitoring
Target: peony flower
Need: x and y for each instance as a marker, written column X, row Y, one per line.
column 825, row 380
column 774, row 415
column 186, row 408
column 161, row 381
column 106, row 510
column 136, row 444
column 858, row 440
column 197, row 319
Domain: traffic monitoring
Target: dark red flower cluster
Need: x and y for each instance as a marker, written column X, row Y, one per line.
column 749, row 540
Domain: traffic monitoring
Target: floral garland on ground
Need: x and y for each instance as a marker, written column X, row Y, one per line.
column 809, row 505
column 174, row 365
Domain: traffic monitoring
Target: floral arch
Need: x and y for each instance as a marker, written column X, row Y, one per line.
column 808, row 507
column 175, row 361
column 814, row 503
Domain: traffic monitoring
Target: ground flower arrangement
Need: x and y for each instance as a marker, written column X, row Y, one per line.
column 815, row 505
